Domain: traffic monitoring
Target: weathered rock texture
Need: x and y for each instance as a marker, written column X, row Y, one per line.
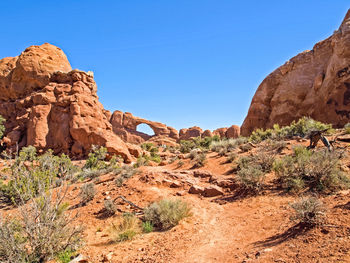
column 48, row 105
column 314, row 83
column 193, row 132
column 125, row 125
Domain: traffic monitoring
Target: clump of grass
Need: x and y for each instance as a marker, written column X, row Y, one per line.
column 147, row 227
column 127, row 229
column 87, row 193
column 309, row 211
column 166, row 214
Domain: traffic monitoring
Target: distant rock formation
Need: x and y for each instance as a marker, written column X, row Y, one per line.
column 125, row 125
column 193, row 132
column 315, row 83
column 48, row 105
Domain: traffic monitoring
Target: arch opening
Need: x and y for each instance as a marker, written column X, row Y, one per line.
column 145, row 128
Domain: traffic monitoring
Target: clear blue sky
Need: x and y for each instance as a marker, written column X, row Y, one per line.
column 180, row 62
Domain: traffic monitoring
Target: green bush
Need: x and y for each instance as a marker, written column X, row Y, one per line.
column 147, row 227
column 309, row 211
column 28, row 170
column 166, row 214
column 301, row 128
column 2, row 126
column 317, row 171
column 201, row 143
column 96, row 158
column 347, row 128
column 41, row 231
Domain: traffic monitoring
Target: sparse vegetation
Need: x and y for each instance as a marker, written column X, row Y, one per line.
column 87, row 193
column 147, row 227
column 110, row 207
column 127, row 228
column 200, row 143
column 41, row 230
column 96, row 160
column 166, row 214
column 200, row 160
column 347, row 128
column 309, row 211
column 300, row 128
column 317, row 171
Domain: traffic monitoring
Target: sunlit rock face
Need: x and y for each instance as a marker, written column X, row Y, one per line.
column 315, row 83
column 48, row 105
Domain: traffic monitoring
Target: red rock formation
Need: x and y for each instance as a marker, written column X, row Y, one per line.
column 221, row 132
column 193, row 132
column 125, row 124
column 48, row 105
column 233, row 132
column 314, row 83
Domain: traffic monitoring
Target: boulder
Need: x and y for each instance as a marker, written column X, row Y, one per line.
column 233, row 132
column 315, row 83
column 212, row 190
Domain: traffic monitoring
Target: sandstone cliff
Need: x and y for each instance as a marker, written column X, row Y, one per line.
column 49, row 105
column 315, row 83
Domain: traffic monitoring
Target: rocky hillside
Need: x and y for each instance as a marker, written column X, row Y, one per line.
column 315, row 83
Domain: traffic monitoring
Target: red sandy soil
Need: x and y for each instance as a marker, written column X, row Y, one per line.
column 226, row 228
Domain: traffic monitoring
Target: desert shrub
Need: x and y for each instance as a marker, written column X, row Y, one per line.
column 301, row 128
column 148, row 146
column 245, row 147
column 252, row 170
column 66, row 256
column 317, row 171
column 125, row 173
column 231, row 157
column 347, row 128
column 127, row 228
column 194, row 153
column 173, row 159
column 2, row 126
column 144, row 159
column 87, row 193
column 201, row 143
column 147, row 227
column 222, row 152
column 274, row 145
column 41, row 231
column 309, row 211
column 29, row 171
column 227, row 145
column 110, row 207
column 166, row 214
column 96, row 158
column 180, row 163
column 251, row 178
column 200, row 160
